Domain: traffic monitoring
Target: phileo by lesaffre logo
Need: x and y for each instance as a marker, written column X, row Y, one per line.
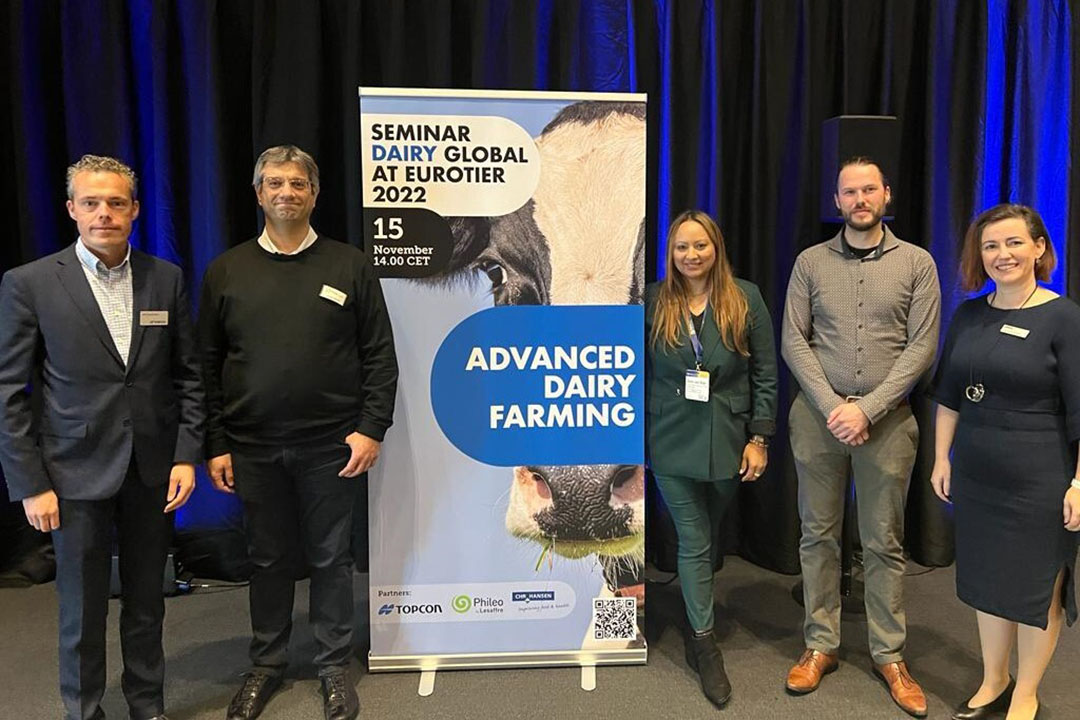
column 478, row 605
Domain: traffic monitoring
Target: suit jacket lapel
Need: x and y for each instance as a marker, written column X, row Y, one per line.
column 710, row 337
column 74, row 282
column 140, row 300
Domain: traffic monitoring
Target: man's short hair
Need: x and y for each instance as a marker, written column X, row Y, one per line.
column 862, row 160
column 100, row 163
column 285, row 154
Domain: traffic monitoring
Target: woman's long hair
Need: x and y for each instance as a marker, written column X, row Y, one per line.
column 728, row 302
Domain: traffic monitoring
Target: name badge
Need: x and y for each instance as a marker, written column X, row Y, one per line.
column 1015, row 331
column 697, row 385
column 333, row 295
column 153, row 318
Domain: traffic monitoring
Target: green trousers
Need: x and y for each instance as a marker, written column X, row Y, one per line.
column 697, row 507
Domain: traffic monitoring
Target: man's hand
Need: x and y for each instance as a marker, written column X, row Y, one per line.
column 220, row 471
column 181, row 485
column 42, row 511
column 849, row 424
column 365, row 452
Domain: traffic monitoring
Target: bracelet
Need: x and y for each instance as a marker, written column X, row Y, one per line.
column 759, row 440
column 1075, row 483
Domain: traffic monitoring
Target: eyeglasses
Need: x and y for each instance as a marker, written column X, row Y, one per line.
column 276, row 183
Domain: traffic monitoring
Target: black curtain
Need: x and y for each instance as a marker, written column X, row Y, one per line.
column 190, row 91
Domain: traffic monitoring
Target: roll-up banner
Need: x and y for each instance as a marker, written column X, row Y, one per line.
column 507, row 522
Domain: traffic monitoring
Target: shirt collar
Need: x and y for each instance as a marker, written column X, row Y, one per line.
column 268, row 245
column 93, row 263
column 888, row 242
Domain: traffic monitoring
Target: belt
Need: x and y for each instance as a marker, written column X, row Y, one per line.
column 853, row 398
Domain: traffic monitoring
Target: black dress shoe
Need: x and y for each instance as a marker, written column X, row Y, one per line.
column 998, row 705
column 704, row 657
column 339, row 697
column 251, row 698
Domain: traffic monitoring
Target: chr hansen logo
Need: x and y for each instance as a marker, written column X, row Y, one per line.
column 533, row 596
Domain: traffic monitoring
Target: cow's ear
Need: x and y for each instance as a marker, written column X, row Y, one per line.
column 471, row 236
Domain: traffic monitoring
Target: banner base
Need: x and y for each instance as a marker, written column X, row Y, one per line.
column 488, row 661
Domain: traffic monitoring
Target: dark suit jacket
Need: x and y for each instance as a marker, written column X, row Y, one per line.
column 701, row 440
column 94, row 413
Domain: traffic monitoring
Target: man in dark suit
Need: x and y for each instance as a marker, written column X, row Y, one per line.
column 102, row 331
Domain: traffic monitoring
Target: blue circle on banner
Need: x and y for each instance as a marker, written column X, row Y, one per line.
column 544, row 385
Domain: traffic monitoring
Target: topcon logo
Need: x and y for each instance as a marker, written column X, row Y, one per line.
column 426, row 609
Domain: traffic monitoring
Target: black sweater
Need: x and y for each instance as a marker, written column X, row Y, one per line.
column 282, row 363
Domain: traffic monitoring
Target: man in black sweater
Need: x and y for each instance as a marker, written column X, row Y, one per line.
column 300, row 372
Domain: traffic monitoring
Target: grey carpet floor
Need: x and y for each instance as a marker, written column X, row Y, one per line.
column 758, row 624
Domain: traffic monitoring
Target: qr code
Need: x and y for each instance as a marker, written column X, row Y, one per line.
column 615, row 618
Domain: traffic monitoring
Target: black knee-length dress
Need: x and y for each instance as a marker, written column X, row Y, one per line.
column 1014, row 453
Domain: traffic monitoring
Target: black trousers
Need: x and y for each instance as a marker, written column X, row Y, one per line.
column 298, row 511
column 83, row 566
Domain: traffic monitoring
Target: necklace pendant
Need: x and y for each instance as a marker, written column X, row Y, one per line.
column 975, row 393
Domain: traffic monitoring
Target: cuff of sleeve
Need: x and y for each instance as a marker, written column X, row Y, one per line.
column 873, row 410
column 944, row 400
column 762, row 426
column 374, row 430
column 216, row 446
column 827, row 404
column 23, row 490
column 188, row 450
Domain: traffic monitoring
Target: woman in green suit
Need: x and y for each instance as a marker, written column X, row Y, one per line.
column 711, row 400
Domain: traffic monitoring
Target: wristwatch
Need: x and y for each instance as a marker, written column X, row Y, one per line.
column 759, row 440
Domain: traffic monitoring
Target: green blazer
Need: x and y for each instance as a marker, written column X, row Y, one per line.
column 705, row 441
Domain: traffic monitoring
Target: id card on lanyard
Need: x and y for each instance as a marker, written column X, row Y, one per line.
column 697, row 380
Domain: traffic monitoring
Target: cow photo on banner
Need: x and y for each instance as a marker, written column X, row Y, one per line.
column 507, row 513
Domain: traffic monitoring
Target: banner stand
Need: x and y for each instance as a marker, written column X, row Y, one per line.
column 487, row 661
column 507, row 509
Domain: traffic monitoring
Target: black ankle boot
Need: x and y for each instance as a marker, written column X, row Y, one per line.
column 704, row 657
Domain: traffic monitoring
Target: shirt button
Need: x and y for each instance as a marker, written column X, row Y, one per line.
column 860, row 349
column 860, row 304
column 860, row 282
column 126, row 423
column 858, row 372
column 860, row 324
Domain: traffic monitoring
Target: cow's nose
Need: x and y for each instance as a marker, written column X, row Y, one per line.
column 540, row 485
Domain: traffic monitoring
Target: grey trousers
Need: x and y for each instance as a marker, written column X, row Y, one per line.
column 882, row 471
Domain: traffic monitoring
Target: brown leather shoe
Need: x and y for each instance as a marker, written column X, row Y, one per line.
column 903, row 688
column 807, row 673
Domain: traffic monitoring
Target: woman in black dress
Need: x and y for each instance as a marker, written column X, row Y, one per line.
column 1008, row 393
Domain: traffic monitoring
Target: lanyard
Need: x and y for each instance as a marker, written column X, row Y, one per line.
column 694, row 340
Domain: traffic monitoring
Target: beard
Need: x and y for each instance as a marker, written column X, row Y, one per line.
column 861, row 225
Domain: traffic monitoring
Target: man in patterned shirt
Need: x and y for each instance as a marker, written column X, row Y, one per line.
column 860, row 328
column 103, row 333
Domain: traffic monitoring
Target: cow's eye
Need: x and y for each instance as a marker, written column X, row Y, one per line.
column 495, row 273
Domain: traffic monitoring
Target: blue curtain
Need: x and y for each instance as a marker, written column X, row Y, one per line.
column 190, row 91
